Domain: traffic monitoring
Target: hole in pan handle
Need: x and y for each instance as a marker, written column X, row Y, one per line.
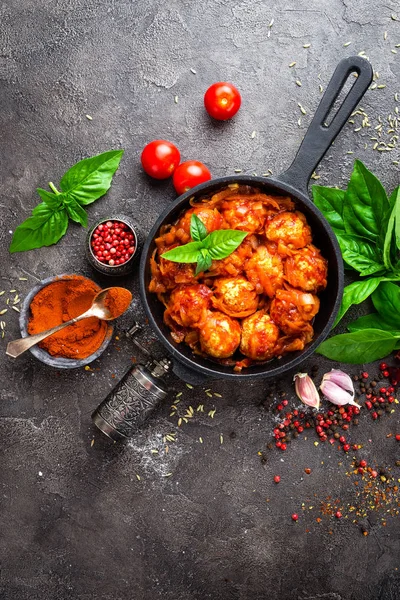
column 320, row 135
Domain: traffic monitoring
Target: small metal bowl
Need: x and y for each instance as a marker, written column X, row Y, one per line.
column 45, row 357
column 116, row 270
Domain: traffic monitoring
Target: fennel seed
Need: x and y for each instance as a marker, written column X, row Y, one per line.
column 292, row 64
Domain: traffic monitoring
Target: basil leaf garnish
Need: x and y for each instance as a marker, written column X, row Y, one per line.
column 223, row 242
column 52, row 200
column 198, row 230
column 45, row 227
column 82, row 184
column 75, row 211
column 359, row 347
column 90, row 178
column 189, row 253
column 217, row 245
column 204, row 261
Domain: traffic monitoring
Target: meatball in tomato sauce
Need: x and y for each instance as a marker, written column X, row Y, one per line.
column 188, row 305
column 235, row 296
column 292, row 310
column 219, row 335
column 289, row 228
column 265, row 271
column 259, row 336
column 307, row 269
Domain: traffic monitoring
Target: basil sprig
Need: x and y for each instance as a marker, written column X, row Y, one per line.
column 84, row 183
column 206, row 247
column 367, row 225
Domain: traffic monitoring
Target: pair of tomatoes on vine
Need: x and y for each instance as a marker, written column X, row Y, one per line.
column 161, row 159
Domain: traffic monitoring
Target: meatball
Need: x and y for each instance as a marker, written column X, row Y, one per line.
column 219, row 335
column 289, row 228
column 188, row 305
column 235, row 296
column 244, row 213
column 307, row 269
column 259, row 336
column 265, row 271
column 292, row 310
column 210, row 217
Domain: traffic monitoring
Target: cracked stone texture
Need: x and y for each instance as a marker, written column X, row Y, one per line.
column 76, row 521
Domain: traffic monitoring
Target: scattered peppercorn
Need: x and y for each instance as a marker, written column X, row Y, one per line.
column 295, row 517
column 277, row 478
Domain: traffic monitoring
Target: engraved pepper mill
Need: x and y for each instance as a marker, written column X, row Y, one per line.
column 135, row 397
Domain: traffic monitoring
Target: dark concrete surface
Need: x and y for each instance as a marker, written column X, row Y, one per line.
column 84, row 520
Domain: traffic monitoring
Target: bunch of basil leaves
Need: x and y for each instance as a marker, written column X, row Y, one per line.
column 206, row 247
column 367, row 225
column 81, row 185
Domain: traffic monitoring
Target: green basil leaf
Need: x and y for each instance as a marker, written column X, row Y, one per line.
column 387, row 242
column 90, row 178
column 198, row 230
column 395, row 202
column 189, row 253
column 204, row 261
column 360, row 254
column 366, row 205
column 371, row 321
column 44, row 228
column 355, row 293
column 52, row 200
column 386, row 300
column 75, row 211
column 223, row 242
column 359, row 347
column 330, row 203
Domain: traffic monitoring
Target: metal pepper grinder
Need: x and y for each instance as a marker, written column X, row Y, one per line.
column 135, row 397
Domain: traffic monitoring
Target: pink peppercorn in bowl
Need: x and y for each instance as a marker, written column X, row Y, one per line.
column 112, row 245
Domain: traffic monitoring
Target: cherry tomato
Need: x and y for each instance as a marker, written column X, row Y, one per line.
column 189, row 174
column 222, row 100
column 160, row 159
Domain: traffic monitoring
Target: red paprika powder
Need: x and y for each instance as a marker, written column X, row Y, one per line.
column 60, row 301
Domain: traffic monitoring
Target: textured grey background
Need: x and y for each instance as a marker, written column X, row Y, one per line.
column 75, row 520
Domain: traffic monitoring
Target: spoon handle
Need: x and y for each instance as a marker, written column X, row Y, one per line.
column 18, row 347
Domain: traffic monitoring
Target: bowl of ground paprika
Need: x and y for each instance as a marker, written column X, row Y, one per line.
column 56, row 300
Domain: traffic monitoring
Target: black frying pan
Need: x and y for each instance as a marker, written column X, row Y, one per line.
column 294, row 182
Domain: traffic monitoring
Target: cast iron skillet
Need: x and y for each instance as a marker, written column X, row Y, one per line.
column 292, row 182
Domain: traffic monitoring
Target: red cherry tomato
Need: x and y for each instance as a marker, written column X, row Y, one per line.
column 222, row 100
column 189, row 174
column 160, row 159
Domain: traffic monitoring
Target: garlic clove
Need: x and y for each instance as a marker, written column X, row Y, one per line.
column 306, row 390
column 341, row 379
column 336, row 394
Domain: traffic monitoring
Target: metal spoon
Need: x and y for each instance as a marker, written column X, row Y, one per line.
column 98, row 309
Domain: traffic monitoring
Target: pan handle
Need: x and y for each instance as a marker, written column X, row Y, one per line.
column 320, row 136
